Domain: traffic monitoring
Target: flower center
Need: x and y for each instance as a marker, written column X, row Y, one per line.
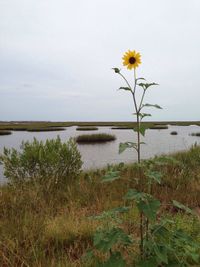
column 132, row 60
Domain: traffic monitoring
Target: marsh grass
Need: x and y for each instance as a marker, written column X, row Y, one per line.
column 195, row 134
column 158, row 127
column 4, row 132
column 95, row 138
column 88, row 128
column 47, row 129
column 173, row 133
column 41, row 228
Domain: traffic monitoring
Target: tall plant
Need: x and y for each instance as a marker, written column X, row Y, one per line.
column 158, row 245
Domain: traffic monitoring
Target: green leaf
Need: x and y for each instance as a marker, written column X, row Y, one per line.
column 140, row 79
column 116, row 70
column 146, row 85
column 132, row 194
column 116, row 260
column 182, row 207
column 110, row 176
column 142, row 130
column 142, row 115
column 154, row 176
column 148, row 263
column 124, row 146
column 149, row 207
column 125, row 88
column 151, row 105
column 104, row 240
column 161, row 253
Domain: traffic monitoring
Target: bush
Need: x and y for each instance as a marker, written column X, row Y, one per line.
column 52, row 162
column 95, row 138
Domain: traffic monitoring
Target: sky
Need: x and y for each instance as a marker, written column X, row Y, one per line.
column 56, row 58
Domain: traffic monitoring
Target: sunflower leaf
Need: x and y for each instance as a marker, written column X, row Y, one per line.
column 116, row 70
column 150, row 105
column 146, row 85
column 125, row 88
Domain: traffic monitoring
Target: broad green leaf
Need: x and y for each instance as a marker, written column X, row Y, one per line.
column 111, row 176
column 151, row 105
column 154, row 176
column 148, row 262
column 182, row 207
column 142, row 130
column 116, row 260
column 146, row 85
column 149, row 207
column 161, row 253
column 133, row 194
column 116, row 70
column 104, row 240
column 124, row 146
column 125, row 88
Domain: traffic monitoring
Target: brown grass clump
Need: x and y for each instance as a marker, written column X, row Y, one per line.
column 95, row 138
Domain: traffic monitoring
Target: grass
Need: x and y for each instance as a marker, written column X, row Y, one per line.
column 39, row 228
column 158, row 127
column 25, row 125
column 122, row 128
column 173, row 133
column 88, row 128
column 48, row 129
column 95, row 138
column 195, row 134
column 4, row 132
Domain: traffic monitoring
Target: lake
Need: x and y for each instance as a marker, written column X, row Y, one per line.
column 99, row 155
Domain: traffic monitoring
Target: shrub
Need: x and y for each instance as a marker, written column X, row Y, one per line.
column 3, row 132
column 173, row 133
column 95, row 138
column 52, row 162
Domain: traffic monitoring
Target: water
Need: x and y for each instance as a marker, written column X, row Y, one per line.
column 99, row 155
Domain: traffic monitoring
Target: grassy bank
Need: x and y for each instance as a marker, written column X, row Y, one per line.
column 53, row 228
column 87, row 128
column 24, row 126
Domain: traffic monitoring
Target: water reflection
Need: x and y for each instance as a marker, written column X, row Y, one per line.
column 99, row 155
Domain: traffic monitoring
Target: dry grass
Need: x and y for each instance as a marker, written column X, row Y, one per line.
column 38, row 228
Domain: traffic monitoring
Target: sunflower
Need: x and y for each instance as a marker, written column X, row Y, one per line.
column 131, row 59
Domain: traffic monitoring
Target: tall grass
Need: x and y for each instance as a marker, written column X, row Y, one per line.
column 95, row 138
column 38, row 228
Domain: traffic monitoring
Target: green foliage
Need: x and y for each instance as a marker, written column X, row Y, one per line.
column 151, row 105
column 52, row 162
column 159, row 244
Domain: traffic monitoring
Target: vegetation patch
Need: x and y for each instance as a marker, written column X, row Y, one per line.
column 158, row 127
column 87, row 128
column 95, row 138
column 173, row 133
column 48, row 129
column 122, row 128
column 195, row 134
column 42, row 228
column 5, row 132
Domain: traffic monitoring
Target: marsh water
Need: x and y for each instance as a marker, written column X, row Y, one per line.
column 99, row 155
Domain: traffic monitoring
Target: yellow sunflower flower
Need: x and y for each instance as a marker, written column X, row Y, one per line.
column 131, row 59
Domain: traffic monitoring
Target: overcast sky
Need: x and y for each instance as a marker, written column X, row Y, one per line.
column 56, row 58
